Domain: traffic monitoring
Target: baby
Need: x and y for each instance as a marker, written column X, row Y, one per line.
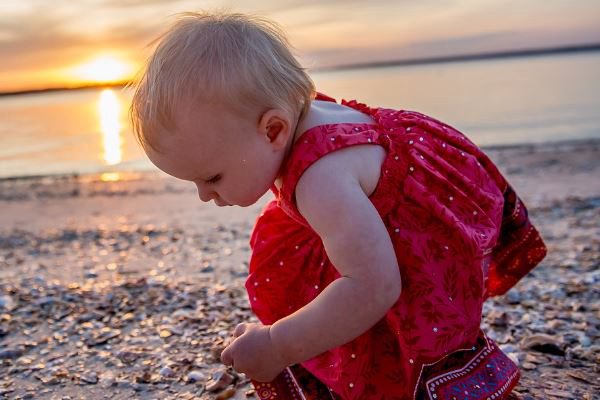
column 388, row 229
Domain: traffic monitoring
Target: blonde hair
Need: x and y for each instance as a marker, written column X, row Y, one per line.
column 242, row 61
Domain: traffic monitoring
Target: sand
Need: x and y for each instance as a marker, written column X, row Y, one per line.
column 130, row 289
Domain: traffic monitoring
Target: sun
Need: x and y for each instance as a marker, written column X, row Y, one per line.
column 103, row 69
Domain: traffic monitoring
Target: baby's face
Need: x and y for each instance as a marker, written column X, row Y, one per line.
column 227, row 156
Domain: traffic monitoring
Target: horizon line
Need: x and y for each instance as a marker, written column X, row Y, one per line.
column 374, row 64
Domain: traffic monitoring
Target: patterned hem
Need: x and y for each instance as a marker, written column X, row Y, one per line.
column 294, row 383
column 489, row 375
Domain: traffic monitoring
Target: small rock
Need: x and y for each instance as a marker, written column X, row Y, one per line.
column 498, row 318
column 536, row 358
column 10, row 353
column 108, row 381
column 165, row 333
column 103, row 336
column 559, row 393
column 543, row 343
column 144, row 377
column 216, row 350
column 226, row 394
column 508, row 348
column 46, row 301
column 90, row 274
column 529, row 366
column 580, row 376
column 195, row 376
column 207, row 268
column 7, row 303
column 128, row 356
column 122, row 383
column 219, row 381
column 90, row 377
column 167, row 372
column 513, row 297
column 138, row 387
column 585, row 341
column 48, row 380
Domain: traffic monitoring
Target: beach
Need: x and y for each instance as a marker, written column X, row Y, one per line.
column 130, row 289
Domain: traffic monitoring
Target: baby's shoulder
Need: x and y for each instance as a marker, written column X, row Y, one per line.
column 359, row 163
column 362, row 162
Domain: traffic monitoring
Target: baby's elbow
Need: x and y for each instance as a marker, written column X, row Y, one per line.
column 394, row 289
column 390, row 289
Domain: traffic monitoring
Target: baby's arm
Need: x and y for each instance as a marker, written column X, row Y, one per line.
column 359, row 246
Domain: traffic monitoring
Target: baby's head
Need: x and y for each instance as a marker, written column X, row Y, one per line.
column 218, row 103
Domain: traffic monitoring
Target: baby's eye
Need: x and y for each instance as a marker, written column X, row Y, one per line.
column 214, row 179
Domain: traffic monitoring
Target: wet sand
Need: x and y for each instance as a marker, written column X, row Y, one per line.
column 129, row 289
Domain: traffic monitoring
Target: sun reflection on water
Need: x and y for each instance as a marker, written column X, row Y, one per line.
column 110, row 177
column 108, row 109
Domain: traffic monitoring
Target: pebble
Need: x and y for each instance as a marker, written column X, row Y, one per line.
column 90, row 377
column 90, row 274
column 219, row 381
column 167, row 372
column 10, row 353
column 508, row 348
column 529, row 366
column 226, row 394
column 195, row 376
column 544, row 344
column 513, row 297
column 585, row 341
column 7, row 303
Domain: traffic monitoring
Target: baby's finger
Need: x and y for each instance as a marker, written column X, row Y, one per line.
column 239, row 330
column 226, row 357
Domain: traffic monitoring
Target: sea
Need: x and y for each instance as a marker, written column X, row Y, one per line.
column 502, row 101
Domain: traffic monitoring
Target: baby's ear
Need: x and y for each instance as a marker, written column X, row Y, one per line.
column 275, row 126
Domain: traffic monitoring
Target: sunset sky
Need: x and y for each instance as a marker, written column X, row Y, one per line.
column 64, row 42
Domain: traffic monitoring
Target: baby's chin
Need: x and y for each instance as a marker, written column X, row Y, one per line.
column 250, row 202
column 244, row 205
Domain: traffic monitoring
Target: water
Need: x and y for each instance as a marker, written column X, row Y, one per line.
column 501, row 101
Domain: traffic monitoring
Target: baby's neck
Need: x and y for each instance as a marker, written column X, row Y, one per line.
column 297, row 133
column 321, row 113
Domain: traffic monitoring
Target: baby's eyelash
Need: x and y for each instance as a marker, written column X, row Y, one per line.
column 214, row 179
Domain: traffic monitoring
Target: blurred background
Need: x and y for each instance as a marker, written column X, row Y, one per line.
column 502, row 71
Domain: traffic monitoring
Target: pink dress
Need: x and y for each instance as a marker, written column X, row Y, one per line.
column 460, row 234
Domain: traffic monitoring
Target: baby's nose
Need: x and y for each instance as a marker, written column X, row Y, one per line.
column 206, row 195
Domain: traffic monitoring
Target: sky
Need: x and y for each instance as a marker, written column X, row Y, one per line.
column 64, row 42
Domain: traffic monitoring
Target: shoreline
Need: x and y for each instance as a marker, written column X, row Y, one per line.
column 128, row 175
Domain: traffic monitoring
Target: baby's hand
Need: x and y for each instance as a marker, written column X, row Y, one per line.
column 253, row 353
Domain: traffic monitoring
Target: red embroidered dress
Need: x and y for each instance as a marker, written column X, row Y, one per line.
column 460, row 234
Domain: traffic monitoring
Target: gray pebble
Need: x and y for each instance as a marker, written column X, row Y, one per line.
column 585, row 341
column 90, row 377
column 513, row 297
column 509, row 348
column 167, row 372
column 195, row 376
column 7, row 303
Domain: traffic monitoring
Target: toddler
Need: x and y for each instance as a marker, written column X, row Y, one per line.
column 388, row 229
